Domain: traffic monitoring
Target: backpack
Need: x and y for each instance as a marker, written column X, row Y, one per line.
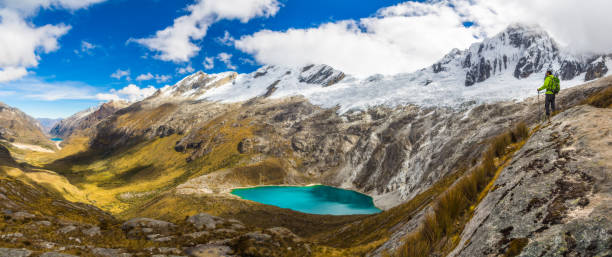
column 556, row 85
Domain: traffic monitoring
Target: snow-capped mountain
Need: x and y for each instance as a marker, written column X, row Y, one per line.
column 523, row 51
column 508, row 66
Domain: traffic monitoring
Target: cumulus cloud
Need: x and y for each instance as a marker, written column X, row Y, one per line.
column 184, row 70
column 157, row 77
column 393, row 41
column 227, row 60
column 176, row 43
column 22, row 43
column 12, row 73
column 209, row 63
column 129, row 93
column 120, row 74
column 86, row 48
column 412, row 35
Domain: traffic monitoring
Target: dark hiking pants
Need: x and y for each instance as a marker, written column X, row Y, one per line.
column 550, row 103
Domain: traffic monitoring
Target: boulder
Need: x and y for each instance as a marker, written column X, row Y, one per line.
column 147, row 226
column 67, row 229
column 91, row 232
column 11, row 252
column 209, row 250
column 203, row 220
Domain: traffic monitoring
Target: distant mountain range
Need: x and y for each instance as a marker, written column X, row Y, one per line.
column 508, row 66
column 47, row 123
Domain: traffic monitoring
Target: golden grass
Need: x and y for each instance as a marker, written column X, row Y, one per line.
column 516, row 247
column 439, row 230
column 603, row 99
column 48, row 179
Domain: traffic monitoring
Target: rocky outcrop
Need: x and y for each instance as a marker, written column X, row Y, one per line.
column 597, row 68
column 554, row 198
column 321, row 74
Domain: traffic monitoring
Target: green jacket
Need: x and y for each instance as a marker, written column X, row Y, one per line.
column 547, row 85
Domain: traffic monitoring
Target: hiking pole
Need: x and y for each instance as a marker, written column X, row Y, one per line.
column 539, row 108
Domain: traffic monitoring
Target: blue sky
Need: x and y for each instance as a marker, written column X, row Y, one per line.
column 108, row 26
column 65, row 56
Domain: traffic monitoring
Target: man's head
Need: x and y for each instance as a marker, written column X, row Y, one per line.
column 548, row 72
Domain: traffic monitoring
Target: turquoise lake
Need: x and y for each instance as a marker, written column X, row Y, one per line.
column 311, row 199
column 57, row 139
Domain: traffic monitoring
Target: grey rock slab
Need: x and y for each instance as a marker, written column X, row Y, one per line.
column 91, row 232
column 11, row 252
column 555, row 195
column 67, row 229
column 108, row 252
column 209, row 251
column 146, row 223
column 203, row 220
column 56, row 254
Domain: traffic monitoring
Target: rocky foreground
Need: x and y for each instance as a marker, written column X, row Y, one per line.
column 555, row 198
column 37, row 224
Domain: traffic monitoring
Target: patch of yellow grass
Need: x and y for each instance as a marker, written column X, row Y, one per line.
column 48, row 179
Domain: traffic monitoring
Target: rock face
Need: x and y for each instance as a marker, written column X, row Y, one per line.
column 555, row 197
column 597, row 68
column 18, row 127
column 321, row 74
column 86, row 119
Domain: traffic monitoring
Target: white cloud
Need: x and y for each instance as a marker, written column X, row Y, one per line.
column 227, row 39
column 86, row 48
column 227, row 60
column 209, row 63
column 29, row 6
column 175, row 43
column 162, row 78
column 184, row 70
column 390, row 43
column 11, row 73
column 21, row 43
column 120, row 74
column 34, row 88
column 412, row 35
column 129, row 93
column 579, row 25
column 149, row 76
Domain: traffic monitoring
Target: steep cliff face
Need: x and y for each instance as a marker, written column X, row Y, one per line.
column 86, row 119
column 554, row 198
column 21, row 129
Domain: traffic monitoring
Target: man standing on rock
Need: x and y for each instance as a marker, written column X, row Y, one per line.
column 551, row 84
